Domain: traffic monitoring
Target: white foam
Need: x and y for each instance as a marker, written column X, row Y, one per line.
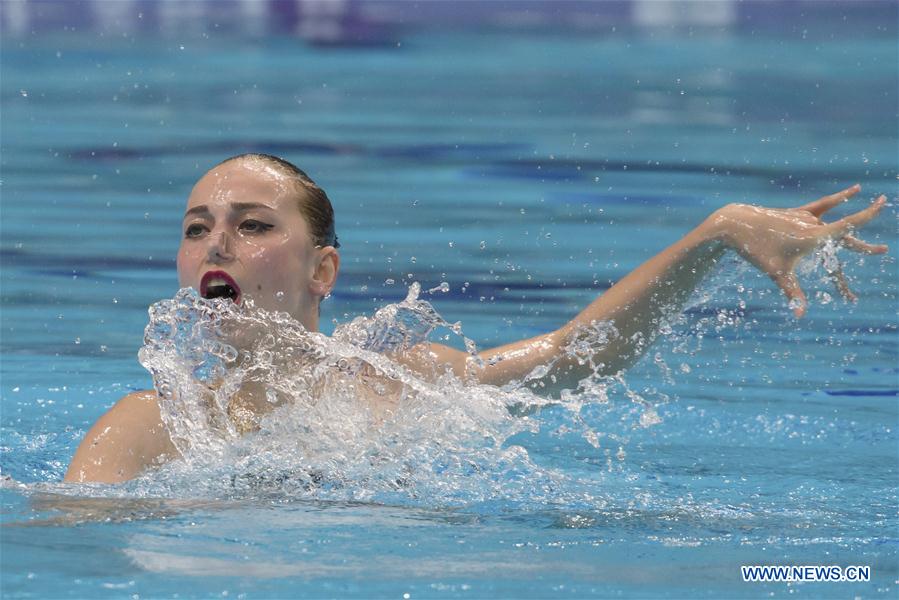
column 349, row 421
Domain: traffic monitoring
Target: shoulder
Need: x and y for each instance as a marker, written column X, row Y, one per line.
column 128, row 438
column 138, row 411
column 142, row 404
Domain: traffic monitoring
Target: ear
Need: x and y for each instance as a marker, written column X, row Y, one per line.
column 327, row 264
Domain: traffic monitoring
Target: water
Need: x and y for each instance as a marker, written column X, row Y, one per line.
column 514, row 174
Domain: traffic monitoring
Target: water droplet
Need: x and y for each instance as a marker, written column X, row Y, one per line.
column 649, row 417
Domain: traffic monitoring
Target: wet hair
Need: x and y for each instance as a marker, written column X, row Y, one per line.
column 314, row 204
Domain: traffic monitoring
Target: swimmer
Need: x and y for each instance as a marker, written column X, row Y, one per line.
column 258, row 227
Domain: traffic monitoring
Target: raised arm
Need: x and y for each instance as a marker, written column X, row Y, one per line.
column 621, row 324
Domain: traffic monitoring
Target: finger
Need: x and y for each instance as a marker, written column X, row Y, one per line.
column 789, row 283
column 822, row 205
column 856, row 220
column 856, row 245
column 839, row 280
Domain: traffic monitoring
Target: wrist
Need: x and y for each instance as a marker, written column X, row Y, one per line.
column 717, row 231
column 711, row 237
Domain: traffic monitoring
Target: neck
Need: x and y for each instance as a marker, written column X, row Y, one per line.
column 309, row 316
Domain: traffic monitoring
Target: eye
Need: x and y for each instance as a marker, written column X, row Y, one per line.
column 194, row 230
column 254, row 226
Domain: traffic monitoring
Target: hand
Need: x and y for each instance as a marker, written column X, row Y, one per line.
column 774, row 240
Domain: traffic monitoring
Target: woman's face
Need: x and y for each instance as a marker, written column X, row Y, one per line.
column 243, row 237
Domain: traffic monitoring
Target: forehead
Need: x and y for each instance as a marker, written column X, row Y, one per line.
column 244, row 181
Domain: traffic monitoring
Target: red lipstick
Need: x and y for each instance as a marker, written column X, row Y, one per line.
column 218, row 284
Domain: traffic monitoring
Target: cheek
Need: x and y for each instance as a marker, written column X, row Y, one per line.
column 182, row 260
column 280, row 265
column 279, row 269
column 187, row 262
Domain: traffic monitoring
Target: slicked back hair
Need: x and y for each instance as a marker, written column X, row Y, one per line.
column 314, row 204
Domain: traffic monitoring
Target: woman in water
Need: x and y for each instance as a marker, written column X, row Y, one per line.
column 257, row 227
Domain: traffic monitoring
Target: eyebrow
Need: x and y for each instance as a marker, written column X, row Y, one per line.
column 235, row 207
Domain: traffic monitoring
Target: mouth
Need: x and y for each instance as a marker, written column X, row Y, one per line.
column 218, row 284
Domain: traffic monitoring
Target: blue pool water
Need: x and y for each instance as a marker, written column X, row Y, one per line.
column 528, row 167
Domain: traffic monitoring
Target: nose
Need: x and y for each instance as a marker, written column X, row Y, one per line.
column 220, row 247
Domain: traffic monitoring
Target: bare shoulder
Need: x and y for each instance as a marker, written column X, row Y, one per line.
column 127, row 439
column 143, row 404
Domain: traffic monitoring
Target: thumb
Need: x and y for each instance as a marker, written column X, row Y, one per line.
column 789, row 283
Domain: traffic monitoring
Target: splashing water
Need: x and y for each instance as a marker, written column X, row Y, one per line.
column 254, row 401
column 343, row 416
column 260, row 407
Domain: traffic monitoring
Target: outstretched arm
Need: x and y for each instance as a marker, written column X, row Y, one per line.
column 773, row 240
